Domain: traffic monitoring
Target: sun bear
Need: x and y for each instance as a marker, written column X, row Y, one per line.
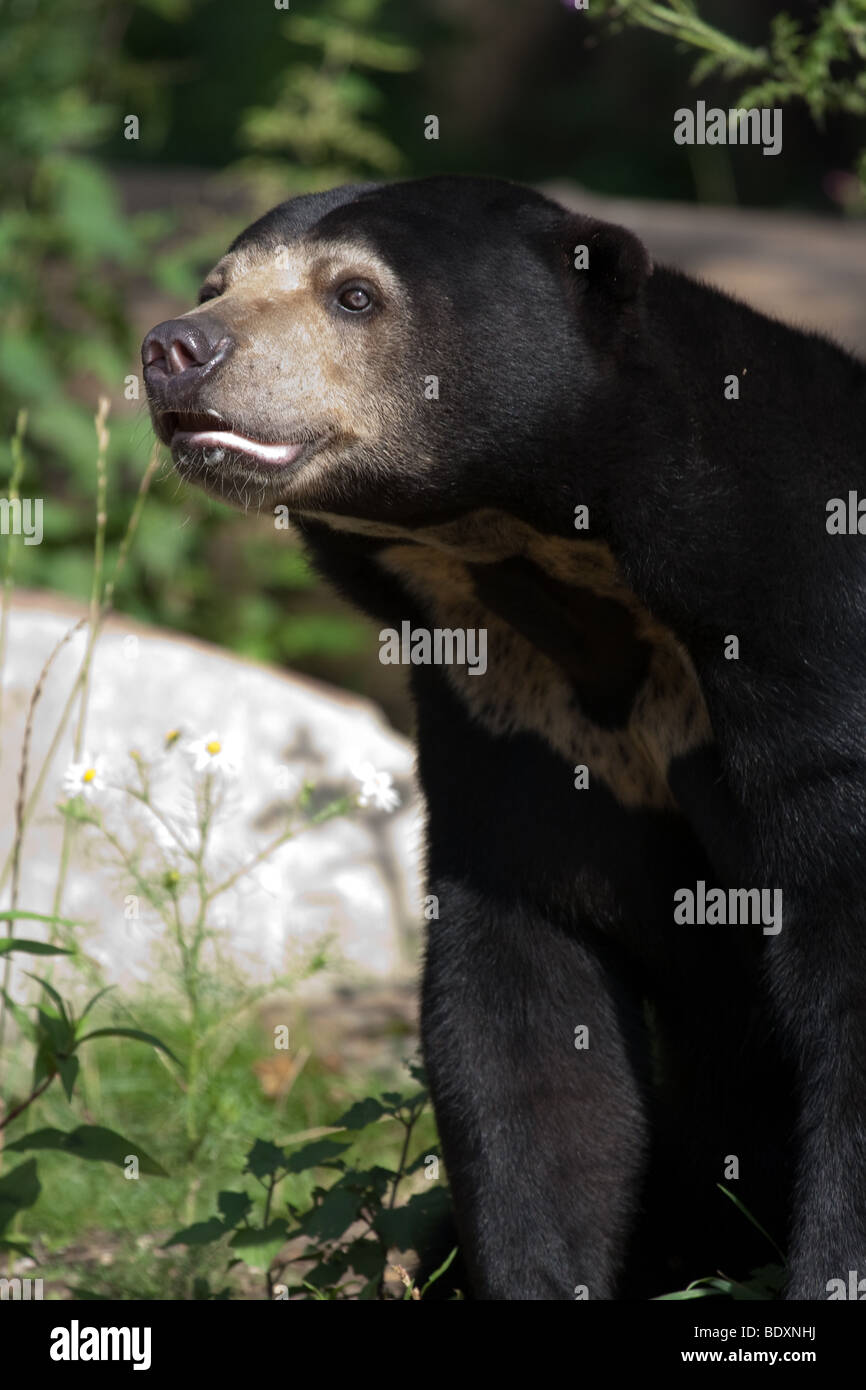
column 645, row 974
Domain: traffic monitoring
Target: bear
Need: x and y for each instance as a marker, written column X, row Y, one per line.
column 503, row 431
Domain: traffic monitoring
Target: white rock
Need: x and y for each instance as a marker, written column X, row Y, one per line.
column 352, row 882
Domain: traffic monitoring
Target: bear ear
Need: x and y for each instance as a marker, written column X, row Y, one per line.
column 612, row 258
column 607, row 263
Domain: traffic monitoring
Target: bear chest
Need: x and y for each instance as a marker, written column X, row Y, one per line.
column 571, row 654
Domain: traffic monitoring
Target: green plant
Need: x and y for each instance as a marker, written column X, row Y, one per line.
column 102, row 594
column 165, row 860
column 319, row 126
column 57, row 1036
column 350, row 1226
column 823, row 67
column 160, row 842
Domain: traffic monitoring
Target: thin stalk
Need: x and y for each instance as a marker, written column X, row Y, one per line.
column 409, row 1126
column 14, row 486
column 20, row 813
column 681, row 22
column 102, row 440
column 19, row 1109
column 191, row 970
column 68, row 707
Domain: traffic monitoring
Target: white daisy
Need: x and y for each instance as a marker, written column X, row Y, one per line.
column 86, row 778
column 377, row 788
column 209, row 754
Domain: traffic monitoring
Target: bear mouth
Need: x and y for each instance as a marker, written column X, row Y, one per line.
column 211, row 434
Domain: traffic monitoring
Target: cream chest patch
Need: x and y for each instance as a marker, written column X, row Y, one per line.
column 525, row 688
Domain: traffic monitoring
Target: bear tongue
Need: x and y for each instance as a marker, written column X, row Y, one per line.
column 239, row 444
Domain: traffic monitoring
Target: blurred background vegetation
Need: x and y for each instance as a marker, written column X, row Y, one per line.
column 237, row 107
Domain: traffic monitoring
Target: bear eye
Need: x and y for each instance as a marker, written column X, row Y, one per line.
column 207, row 292
column 355, row 299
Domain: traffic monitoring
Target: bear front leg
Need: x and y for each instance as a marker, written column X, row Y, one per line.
column 533, row 1056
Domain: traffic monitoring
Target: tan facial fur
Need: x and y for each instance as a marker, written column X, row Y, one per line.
column 523, row 689
column 300, row 371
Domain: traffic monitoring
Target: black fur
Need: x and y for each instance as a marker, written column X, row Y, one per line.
column 605, row 387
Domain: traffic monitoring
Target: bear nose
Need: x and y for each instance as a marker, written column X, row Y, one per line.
column 178, row 345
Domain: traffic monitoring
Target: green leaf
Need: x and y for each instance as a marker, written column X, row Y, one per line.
column 416, row 1071
column 91, row 1142
column 318, row 1296
column 395, row 1101
column 201, row 1233
column 375, row 1180
column 234, row 1206
column 23, row 1019
column 691, row 1292
column 90, row 1003
column 437, row 1273
column 365, row 1257
column 18, row 1189
column 54, row 1041
column 333, row 1216
column 52, row 994
column 134, row 1033
column 258, row 1246
column 56, row 1031
column 413, row 1226
column 313, row 1155
column 45, row 1060
column 16, row 1247
column 362, row 1113
column 264, row 1159
column 68, row 1069
column 418, row 1164
column 764, row 1285
column 33, row 948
